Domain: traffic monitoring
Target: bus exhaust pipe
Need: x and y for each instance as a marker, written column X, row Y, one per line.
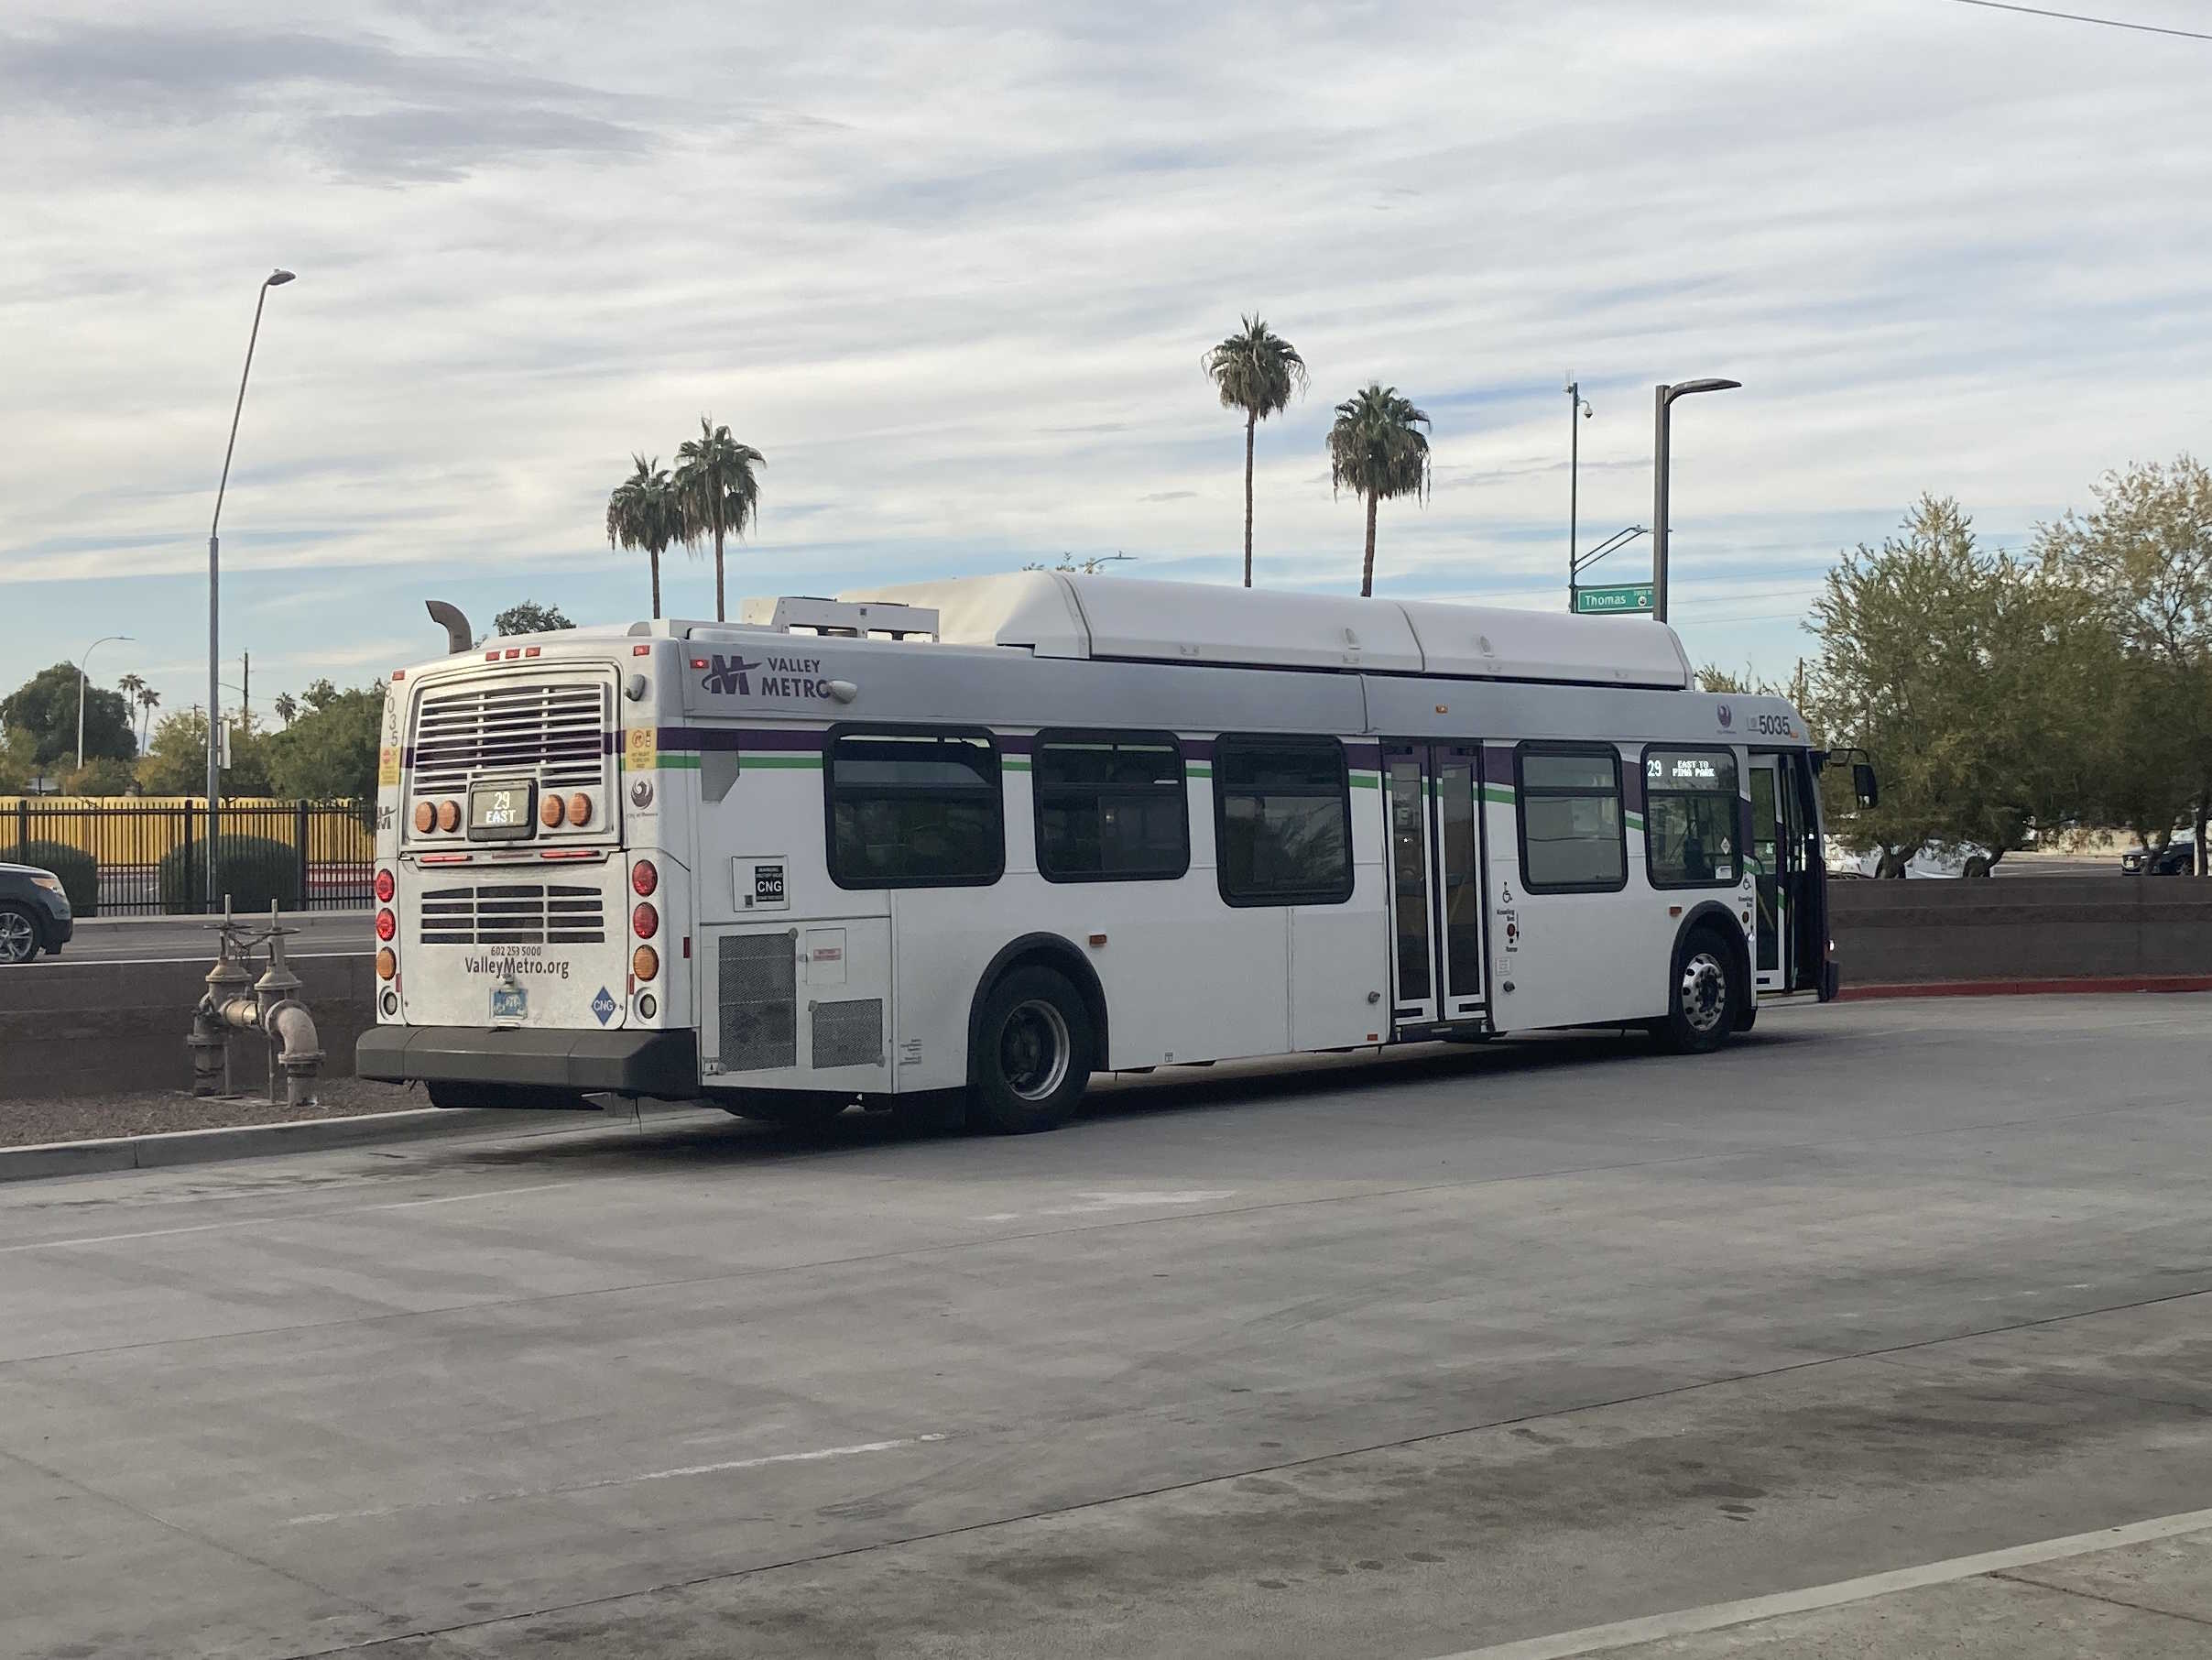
column 459, row 635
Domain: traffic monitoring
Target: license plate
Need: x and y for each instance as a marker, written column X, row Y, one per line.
column 510, row 1003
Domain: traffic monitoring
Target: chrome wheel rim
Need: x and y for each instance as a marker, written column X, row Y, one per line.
column 1704, row 991
column 16, row 939
column 1033, row 1049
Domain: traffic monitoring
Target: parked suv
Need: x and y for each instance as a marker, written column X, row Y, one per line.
column 2178, row 859
column 34, row 912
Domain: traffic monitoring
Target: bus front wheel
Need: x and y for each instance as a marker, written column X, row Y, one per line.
column 1706, row 999
column 1032, row 1055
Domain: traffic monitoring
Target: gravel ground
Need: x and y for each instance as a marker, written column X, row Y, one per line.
column 149, row 1111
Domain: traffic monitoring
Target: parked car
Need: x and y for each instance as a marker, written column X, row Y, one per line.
column 2177, row 858
column 34, row 912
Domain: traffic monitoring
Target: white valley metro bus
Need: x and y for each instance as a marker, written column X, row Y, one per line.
column 991, row 835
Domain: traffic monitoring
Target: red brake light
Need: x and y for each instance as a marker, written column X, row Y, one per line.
column 529, row 650
column 387, row 924
column 645, row 921
column 386, row 887
column 644, row 878
column 641, row 650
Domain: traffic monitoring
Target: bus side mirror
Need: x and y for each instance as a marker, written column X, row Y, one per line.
column 1865, row 785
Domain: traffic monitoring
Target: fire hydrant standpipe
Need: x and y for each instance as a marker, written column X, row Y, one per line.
column 236, row 1002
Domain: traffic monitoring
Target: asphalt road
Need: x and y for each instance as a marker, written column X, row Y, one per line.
column 1392, row 1359
column 191, row 938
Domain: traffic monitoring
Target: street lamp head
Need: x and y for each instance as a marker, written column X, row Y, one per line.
column 279, row 278
column 1682, row 389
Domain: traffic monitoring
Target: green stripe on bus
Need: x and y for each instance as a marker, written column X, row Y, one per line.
column 1498, row 795
column 1366, row 780
column 1636, row 822
column 752, row 762
column 672, row 761
column 1015, row 763
column 1200, row 770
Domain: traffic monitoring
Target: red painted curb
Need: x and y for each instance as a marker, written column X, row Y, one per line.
column 2086, row 985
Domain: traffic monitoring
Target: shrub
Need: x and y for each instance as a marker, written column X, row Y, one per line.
column 78, row 870
column 252, row 870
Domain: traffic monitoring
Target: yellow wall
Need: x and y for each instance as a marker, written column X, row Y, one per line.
column 142, row 837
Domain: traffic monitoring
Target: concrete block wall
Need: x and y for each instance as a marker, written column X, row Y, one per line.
column 79, row 1028
column 2012, row 928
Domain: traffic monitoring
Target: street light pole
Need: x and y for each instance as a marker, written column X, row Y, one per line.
column 275, row 278
column 1577, row 406
column 81, row 662
column 1663, row 402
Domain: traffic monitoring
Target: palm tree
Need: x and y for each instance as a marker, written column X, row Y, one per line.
column 717, row 492
column 1374, row 452
column 132, row 684
column 288, row 708
column 643, row 513
column 149, row 700
column 1257, row 370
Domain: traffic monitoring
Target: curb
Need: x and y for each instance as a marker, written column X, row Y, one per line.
column 2084, row 986
column 258, row 1141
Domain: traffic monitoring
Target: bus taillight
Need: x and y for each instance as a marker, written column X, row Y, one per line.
column 644, row 878
column 645, row 962
column 387, row 924
column 645, row 921
column 388, row 963
column 386, row 888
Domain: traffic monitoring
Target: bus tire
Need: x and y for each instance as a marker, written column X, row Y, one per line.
column 1033, row 1055
column 1705, row 995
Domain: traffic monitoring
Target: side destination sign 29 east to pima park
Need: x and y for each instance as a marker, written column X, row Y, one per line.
column 1623, row 596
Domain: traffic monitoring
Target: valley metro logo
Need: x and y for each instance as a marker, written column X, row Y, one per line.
column 729, row 674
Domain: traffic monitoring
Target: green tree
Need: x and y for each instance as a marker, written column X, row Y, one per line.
column 288, row 708
column 2144, row 554
column 46, row 706
column 718, row 492
column 1258, row 371
column 18, row 759
column 329, row 752
column 527, row 617
column 106, row 776
column 149, row 700
column 644, row 514
column 175, row 763
column 1376, row 451
column 1968, row 676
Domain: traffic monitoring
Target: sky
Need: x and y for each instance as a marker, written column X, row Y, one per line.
column 952, row 269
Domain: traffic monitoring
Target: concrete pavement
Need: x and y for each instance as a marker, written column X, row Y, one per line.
column 1400, row 1358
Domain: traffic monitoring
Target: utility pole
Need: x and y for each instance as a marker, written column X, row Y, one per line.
column 1575, row 406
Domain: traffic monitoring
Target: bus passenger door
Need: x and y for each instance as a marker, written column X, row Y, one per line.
column 1428, row 799
column 1775, row 844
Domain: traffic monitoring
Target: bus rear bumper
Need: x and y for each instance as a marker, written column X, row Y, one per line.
column 626, row 1062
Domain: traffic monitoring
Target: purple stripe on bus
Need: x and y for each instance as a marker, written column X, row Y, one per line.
column 1197, row 748
column 1363, row 755
column 764, row 738
column 1497, row 765
column 1631, row 784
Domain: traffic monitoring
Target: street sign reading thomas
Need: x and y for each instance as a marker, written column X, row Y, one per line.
column 1622, row 597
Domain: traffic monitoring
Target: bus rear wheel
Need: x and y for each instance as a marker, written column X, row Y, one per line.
column 1706, row 1001
column 1032, row 1055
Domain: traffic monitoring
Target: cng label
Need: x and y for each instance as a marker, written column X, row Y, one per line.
column 603, row 1006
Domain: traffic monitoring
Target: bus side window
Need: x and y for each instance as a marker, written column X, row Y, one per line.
column 1691, row 810
column 913, row 807
column 1111, row 806
column 1282, row 821
column 1572, row 835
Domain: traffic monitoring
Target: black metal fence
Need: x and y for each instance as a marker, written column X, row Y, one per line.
column 150, row 858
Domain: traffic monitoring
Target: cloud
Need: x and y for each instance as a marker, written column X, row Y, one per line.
column 953, row 270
